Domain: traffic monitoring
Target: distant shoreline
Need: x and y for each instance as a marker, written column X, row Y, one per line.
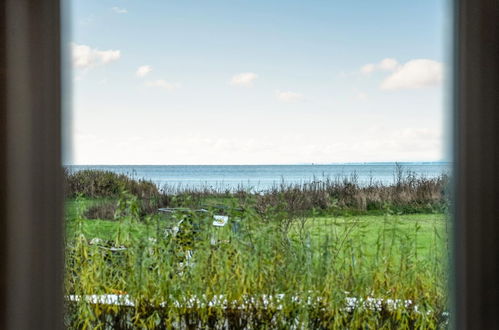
column 261, row 177
column 298, row 164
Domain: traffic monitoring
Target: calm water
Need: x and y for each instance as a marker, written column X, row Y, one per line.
column 261, row 177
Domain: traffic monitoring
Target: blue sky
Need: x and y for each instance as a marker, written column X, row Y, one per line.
column 257, row 82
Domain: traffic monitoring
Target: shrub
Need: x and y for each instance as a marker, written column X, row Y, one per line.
column 103, row 211
column 95, row 183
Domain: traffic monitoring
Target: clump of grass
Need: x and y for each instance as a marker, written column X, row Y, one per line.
column 102, row 210
column 98, row 184
column 105, row 209
column 411, row 194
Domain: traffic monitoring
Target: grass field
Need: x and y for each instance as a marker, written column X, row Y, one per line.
column 426, row 230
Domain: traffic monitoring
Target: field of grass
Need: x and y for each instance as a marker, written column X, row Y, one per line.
column 316, row 263
column 426, row 230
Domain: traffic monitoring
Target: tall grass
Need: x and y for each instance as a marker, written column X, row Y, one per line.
column 95, row 183
column 274, row 272
column 107, row 186
column 409, row 193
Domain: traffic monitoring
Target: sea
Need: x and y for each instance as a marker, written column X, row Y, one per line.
column 263, row 177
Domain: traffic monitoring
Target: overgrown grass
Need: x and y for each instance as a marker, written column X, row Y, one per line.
column 409, row 193
column 283, row 268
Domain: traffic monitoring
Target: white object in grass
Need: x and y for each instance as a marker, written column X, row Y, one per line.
column 220, row 220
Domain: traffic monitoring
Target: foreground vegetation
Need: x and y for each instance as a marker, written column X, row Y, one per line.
column 290, row 262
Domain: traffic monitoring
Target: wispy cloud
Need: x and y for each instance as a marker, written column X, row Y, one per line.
column 85, row 57
column 143, row 70
column 387, row 64
column 368, row 68
column 414, row 74
column 289, row 97
column 376, row 143
column 119, row 10
column 160, row 83
column 244, row 79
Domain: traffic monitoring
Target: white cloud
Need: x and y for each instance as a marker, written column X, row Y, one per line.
column 188, row 147
column 244, row 79
column 368, row 68
column 163, row 84
column 143, row 70
column 119, row 10
column 387, row 64
column 414, row 74
column 86, row 57
column 289, row 97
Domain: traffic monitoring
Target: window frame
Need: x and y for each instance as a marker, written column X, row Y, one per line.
column 31, row 227
column 475, row 95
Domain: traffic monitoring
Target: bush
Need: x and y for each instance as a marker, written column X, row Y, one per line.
column 95, row 183
column 103, row 211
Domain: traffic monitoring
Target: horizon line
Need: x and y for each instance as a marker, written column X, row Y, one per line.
column 283, row 164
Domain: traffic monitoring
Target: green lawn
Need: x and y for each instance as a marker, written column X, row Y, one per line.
column 427, row 231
